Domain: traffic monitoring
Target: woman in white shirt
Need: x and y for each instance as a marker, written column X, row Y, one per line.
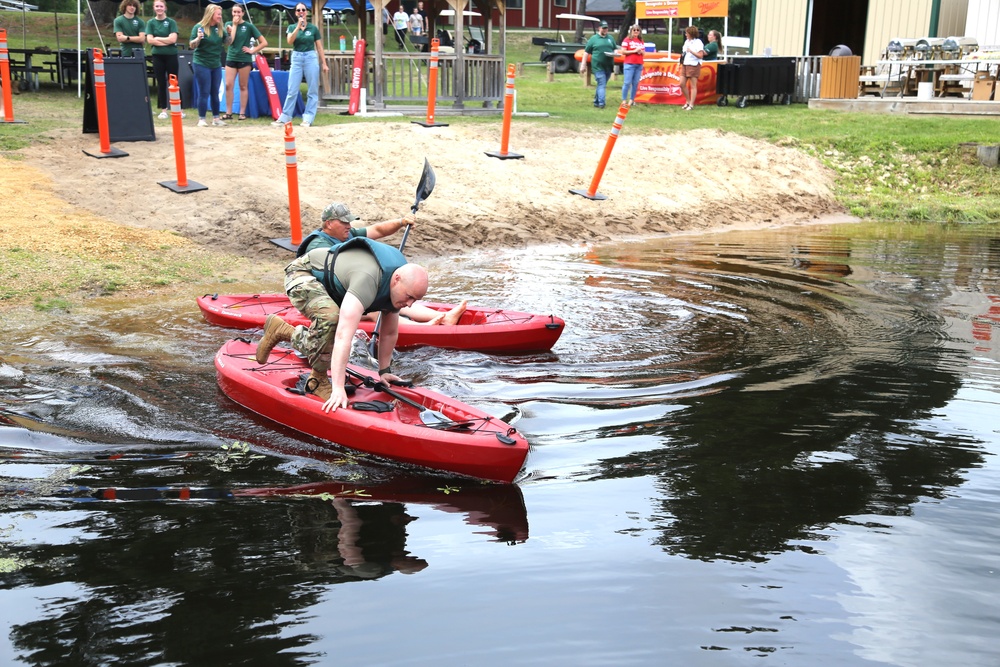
column 691, row 55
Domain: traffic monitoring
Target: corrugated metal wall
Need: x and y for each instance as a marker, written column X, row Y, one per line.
column 889, row 19
column 983, row 22
column 951, row 21
column 780, row 25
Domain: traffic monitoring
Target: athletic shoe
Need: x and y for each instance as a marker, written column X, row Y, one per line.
column 202, row 123
column 305, row 123
column 278, row 123
column 183, row 115
column 163, row 115
column 218, row 123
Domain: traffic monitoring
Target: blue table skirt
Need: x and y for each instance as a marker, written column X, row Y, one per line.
column 257, row 104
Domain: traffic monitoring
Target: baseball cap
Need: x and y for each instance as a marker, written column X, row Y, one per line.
column 603, row 24
column 338, row 211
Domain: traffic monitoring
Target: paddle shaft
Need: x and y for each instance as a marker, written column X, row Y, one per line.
column 422, row 193
column 384, row 388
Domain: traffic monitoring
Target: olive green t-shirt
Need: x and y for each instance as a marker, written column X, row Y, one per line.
column 306, row 39
column 209, row 51
column 162, row 28
column 356, row 269
column 244, row 32
column 130, row 27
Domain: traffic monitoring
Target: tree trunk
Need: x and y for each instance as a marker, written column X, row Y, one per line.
column 627, row 23
column 581, row 8
column 104, row 12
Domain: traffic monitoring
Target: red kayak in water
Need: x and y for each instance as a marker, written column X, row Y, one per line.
column 480, row 329
column 408, row 424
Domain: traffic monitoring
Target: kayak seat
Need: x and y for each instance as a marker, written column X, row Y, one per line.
column 372, row 406
column 300, row 386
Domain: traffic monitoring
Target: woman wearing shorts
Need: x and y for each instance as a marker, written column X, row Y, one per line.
column 691, row 55
column 239, row 59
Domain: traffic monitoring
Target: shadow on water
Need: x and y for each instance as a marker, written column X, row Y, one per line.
column 769, row 384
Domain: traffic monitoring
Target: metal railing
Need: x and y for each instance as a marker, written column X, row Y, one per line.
column 404, row 78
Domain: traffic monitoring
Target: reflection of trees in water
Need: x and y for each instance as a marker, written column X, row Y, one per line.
column 224, row 576
column 179, row 582
column 823, row 420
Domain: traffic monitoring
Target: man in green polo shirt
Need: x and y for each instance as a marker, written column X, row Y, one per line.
column 601, row 48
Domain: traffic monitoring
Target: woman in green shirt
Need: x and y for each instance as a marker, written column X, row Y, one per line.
column 208, row 40
column 712, row 48
column 307, row 59
column 161, row 32
column 239, row 59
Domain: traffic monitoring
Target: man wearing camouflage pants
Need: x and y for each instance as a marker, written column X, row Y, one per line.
column 334, row 287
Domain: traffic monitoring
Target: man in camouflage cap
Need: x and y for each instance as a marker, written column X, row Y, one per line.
column 336, row 228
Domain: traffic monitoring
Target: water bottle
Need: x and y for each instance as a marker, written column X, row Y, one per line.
column 343, row 43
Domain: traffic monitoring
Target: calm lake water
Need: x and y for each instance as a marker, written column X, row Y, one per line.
column 751, row 448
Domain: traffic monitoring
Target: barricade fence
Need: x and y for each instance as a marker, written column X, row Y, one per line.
column 404, row 78
column 807, row 78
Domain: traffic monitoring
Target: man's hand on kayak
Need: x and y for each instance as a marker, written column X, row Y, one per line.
column 389, row 378
column 338, row 399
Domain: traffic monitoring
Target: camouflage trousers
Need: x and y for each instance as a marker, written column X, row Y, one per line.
column 313, row 301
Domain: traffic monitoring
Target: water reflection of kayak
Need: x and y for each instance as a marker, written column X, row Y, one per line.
column 497, row 507
column 443, row 433
column 480, row 329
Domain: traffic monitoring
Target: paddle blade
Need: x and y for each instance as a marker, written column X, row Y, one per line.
column 426, row 185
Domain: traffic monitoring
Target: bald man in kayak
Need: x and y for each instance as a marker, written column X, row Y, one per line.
column 336, row 228
column 334, row 287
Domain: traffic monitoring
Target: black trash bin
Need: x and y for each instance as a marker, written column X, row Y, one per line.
column 765, row 77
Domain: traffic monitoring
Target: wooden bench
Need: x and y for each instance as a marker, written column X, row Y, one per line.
column 952, row 82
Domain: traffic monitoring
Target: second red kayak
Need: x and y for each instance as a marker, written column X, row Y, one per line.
column 480, row 329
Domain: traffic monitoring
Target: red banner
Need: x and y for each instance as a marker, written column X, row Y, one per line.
column 661, row 83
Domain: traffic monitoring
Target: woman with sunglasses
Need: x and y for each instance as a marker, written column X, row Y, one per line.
column 307, row 59
column 633, row 49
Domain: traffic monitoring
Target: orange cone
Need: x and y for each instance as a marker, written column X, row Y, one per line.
column 616, row 129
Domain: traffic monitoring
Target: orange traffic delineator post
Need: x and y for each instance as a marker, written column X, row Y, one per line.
column 616, row 129
column 5, row 81
column 292, row 172
column 181, row 185
column 101, row 97
column 432, row 85
column 508, row 111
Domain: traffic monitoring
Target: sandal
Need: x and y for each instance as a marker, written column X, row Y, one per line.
column 242, row 116
column 226, row 116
